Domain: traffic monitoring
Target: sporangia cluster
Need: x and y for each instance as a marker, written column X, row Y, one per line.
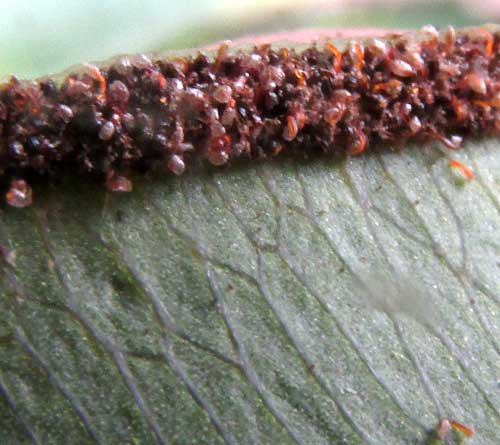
column 139, row 114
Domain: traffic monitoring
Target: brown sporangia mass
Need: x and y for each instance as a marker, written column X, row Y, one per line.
column 139, row 114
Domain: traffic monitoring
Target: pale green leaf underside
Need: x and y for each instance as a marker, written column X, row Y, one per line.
column 228, row 307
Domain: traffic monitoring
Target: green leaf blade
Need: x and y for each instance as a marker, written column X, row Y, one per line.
column 243, row 306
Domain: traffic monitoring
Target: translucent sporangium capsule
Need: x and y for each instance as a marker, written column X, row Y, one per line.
column 223, row 94
column 118, row 183
column 118, row 93
column 107, row 130
column 19, row 194
column 401, row 68
column 291, row 129
column 476, row 83
column 176, row 165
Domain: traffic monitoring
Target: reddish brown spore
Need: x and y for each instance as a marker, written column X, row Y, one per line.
column 446, row 426
column 176, row 165
column 218, row 151
column 64, row 112
column 140, row 114
column 401, row 68
column 393, row 87
column 460, row 108
column 223, row 94
column 466, row 171
column 291, row 129
column 222, row 52
column 359, row 55
column 450, row 38
column 415, row 125
column 487, row 104
column 467, row 431
column 118, row 93
column 95, row 73
column 431, row 32
column 358, row 145
column 476, row 83
column 118, row 183
column 335, row 113
column 19, row 194
column 300, row 76
column 337, row 64
column 486, row 36
column 107, row 130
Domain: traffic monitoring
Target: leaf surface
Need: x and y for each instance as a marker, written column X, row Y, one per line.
column 284, row 302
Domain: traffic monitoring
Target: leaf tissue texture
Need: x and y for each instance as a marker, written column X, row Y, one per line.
column 286, row 302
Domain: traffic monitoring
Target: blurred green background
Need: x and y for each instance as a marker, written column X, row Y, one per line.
column 41, row 37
